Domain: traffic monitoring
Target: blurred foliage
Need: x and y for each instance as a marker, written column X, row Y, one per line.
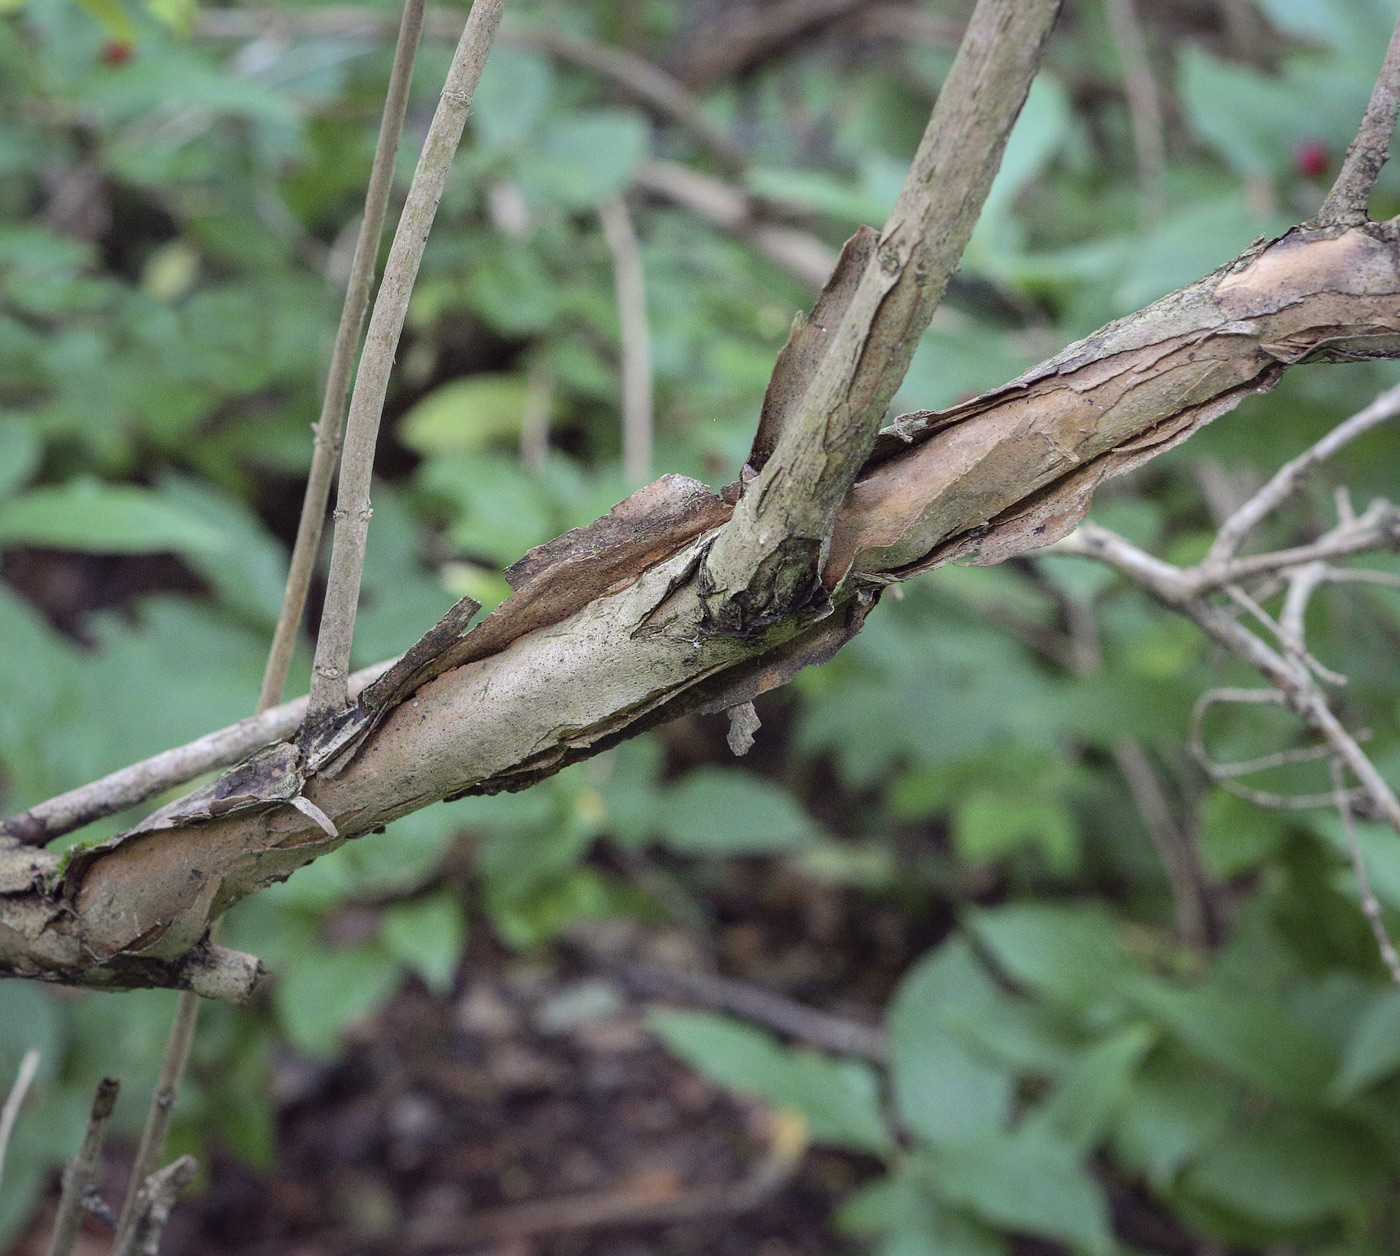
column 176, row 213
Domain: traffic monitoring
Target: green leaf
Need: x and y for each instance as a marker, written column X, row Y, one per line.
column 1070, row 955
column 250, row 571
column 19, row 453
column 1285, row 1169
column 1026, row 1182
column 585, row 157
column 428, row 936
column 106, row 519
column 1174, row 1110
column 908, row 1219
column 1236, row 835
column 942, row 1089
column 1251, row 1035
column 993, row 823
column 319, row 993
column 725, row 811
column 513, row 94
column 1094, row 1088
column 839, row 1099
column 465, row 414
column 1373, row 1053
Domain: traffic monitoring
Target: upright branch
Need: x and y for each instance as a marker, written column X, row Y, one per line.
column 352, row 513
column 1346, row 203
column 635, row 332
column 831, row 387
column 14, row 1101
column 326, row 450
column 81, row 1170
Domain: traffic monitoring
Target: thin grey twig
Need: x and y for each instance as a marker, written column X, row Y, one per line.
column 9, row 1112
column 1351, row 193
column 80, row 1171
column 1144, row 105
column 139, row 781
column 152, row 1210
column 138, row 1202
column 534, row 421
column 1186, row 874
column 331, row 666
column 326, row 448
column 629, row 281
column 1370, row 904
column 741, row 998
column 1287, row 477
column 798, row 252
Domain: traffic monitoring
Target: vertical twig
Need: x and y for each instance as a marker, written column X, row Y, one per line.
column 9, row 1114
column 1346, row 203
column 78, row 1175
column 629, row 282
column 352, row 512
column 1175, row 847
column 153, row 1204
column 534, row 422
column 1370, row 905
column 308, row 539
column 1144, row 105
column 151, row 1150
column 326, row 448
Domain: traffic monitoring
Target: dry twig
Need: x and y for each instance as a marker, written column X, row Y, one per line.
column 14, row 1101
column 635, row 332
column 152, row 1208
column 80, row 1171
column 331, row 668
column 326, row 448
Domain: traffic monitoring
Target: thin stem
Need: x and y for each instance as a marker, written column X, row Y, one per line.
column 308, row 542
column 534, row 422
column 139, row 781
column 352, row 513
column 630, row 284
column 1347, row 202
column 1370, row 904
column 152, row 1149
column 9, row 1113
column 326, row 448
column 1287, row 477
column 1144, row 105
column 153, row 1203
column 78, row 1176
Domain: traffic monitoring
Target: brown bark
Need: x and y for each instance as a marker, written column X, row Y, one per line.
column 606, row 635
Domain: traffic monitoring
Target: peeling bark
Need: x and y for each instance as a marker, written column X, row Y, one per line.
column 607, row 633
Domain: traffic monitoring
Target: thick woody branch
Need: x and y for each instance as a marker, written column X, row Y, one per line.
column 606, row 636
column 1347, row 201
column 610, row 630
column 836, row 377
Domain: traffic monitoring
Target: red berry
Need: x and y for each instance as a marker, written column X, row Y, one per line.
column 115, row 52
column 1311, row 159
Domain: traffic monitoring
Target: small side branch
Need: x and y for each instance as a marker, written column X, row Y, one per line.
column 152, row 1209
column 766, row 562
column 135, row 784
column 1346, row 203
column 78, row 1175
column 326, row 450
column 1269, row 498
column 14, row 1101
column 331, row 668
column 629, row 281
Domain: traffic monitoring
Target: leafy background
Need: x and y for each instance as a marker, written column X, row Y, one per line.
column 176, row 212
